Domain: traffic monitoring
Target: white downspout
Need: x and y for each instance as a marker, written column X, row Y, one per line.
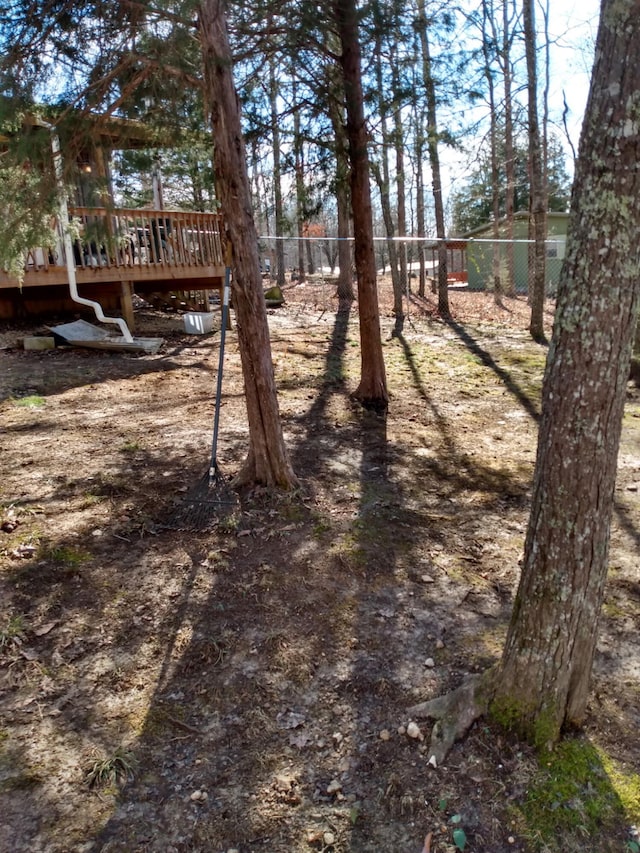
column 68, row 246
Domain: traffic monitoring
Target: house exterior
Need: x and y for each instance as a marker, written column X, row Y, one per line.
column 116, row 251
column 481, row 247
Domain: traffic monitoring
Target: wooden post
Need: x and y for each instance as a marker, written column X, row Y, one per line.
column 126, row 303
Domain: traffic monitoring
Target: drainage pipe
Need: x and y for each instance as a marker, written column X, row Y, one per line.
column 68, row 246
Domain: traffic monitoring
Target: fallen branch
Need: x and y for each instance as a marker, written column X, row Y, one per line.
column 182, row 725
column 455, row 712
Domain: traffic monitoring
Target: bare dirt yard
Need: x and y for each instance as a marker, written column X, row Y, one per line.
column 246, row 687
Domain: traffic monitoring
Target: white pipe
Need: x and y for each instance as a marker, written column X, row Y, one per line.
column 68, row 246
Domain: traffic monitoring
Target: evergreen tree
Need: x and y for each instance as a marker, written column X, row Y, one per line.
column 472, row 205
column 372, row 390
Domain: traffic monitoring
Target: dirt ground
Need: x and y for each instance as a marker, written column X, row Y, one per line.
column 246, row 687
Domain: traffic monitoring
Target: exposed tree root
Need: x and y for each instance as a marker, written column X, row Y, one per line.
column 455, row 712
column 280, row 475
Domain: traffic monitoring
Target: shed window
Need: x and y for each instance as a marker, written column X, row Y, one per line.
column 555, row 248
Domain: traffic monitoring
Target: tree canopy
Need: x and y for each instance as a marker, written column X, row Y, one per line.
column 471, row 205
column 142, row 60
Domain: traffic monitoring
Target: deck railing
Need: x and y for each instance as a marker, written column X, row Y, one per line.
column 138, row 238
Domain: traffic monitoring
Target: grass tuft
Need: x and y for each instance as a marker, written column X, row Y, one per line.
column 12, row 635
column 115, row 769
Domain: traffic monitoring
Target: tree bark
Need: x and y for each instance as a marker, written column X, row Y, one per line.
column 267, row 459
column 381, row 175
column 399, row 134
column 509, row 154
column 489, row 44
column 372, row 390
column 277, row 175
column 420, row 205
column 434, row 161
column 543, row 679
column 537, row 196
column 300, row 188
column 345, row 277
column 382, row 180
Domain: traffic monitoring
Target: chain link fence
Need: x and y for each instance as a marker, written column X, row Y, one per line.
column 471, row 264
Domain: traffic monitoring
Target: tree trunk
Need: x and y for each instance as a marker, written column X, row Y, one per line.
column 418, row 148
column 537, row 198
column 420, row 206
column 382, row 180
column 345, row 278
column 300, row 188
column 544, row 675
column 277, row 175
column 310, row 262
column 267, row 460
column 372, row 390
column 399, row 134
column 381, row 175
column 509, row 154
column 434, row 161
column 260, row 196
column 489, row 44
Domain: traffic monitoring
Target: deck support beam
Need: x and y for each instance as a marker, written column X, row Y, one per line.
column 126, row 303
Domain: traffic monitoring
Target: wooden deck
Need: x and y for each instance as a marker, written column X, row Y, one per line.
column 117, row 253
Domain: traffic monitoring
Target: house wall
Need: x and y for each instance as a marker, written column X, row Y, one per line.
column 481, row 247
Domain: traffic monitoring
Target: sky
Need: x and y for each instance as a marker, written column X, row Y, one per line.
column 573, row 28
column 572, row 33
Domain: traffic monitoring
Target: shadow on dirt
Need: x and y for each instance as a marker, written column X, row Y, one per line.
column 257, row 673
column 626, row 522
column 529, row 405
column 59, row 370
column 306, row 637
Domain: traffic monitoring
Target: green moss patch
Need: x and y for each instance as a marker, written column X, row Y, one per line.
column 578, row 792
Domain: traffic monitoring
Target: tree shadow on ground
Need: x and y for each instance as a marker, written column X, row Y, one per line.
column 326, row 645
column 487, row 359
column 626, row 522
column 451, row 463
column 251, row 668
column 49, row 379
column 332, row 382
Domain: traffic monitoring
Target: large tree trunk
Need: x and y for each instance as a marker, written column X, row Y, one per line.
column 267, row 460
column 537, row 195
column 544, row 675
column 372, row 390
